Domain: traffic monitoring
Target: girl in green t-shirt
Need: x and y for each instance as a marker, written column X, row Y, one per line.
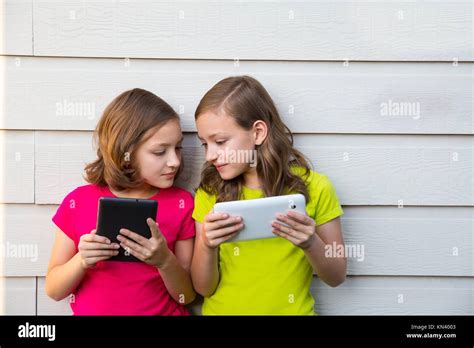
column 250, row 154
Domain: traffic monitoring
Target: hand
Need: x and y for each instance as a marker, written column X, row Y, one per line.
column 301, row 231
column 219, row 227
column 94, row 248
column 153, row 251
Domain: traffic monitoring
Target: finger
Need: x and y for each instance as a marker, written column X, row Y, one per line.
column 127, row 243
column 288, row 237
column 217, row 225
column 290, row 221
column 136, row 254
column 215, row 217
column 286, row 230
column 133, row 236
column 97, row 253
column 231, row 220
column 222, row 239
column 224, row 231
column 92, row 237
column 301, row 218
column 96, row 246
column 154, row 228
column 296, row 226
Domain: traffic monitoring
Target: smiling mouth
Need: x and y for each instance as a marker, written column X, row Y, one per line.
column 170, row 174
column 220, row 166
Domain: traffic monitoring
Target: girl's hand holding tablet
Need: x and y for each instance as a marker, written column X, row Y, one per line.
column 94, row 248
column 219, row 227
column 153, row 251
column 301, row 231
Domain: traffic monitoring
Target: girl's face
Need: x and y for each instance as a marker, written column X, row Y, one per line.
column 228, row 146
column 159, row 157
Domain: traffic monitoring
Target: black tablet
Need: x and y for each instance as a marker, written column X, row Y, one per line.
column 129, row 213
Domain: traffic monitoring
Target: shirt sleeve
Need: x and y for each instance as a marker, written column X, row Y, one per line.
column 327, row 207
column 64, row 218
column 203, row 204
column 188, row 229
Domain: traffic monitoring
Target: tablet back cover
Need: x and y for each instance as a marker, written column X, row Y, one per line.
column 129, row 213
column 258, row 214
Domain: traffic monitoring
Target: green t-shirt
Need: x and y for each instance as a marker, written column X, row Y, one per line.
column 267, row 276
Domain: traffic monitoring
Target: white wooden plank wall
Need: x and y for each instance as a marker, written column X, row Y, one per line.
column 338, row 71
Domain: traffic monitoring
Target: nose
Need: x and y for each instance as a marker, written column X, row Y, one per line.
column 211, row 154
column 174, row 160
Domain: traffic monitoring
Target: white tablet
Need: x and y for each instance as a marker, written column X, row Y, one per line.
column 258, row 214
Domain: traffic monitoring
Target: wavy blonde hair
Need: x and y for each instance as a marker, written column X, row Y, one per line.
column 247, row 101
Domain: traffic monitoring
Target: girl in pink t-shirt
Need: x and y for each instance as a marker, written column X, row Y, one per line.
column 139, row 155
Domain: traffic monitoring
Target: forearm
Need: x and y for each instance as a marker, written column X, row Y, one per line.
column 177, row 280
column 332, row 270
column 204, row 269
column 62, row 280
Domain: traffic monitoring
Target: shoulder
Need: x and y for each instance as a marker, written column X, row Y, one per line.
column 179, row 195
column 203, row 204
column 202, row 196
column 324, row 204
column 318, row 184
column 83, row 191
column 311, row 178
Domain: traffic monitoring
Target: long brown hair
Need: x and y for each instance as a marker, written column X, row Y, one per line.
column 120, row 132
column 246, row 100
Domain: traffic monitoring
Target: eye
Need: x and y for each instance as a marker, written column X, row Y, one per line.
column 204, row 144
column 220, row 142
column 179, row 148
column 159, row 153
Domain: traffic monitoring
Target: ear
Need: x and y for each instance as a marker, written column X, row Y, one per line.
column 260, row 130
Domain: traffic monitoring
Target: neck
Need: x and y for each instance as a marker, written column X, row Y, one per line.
column 144, row 192
column 251, row 179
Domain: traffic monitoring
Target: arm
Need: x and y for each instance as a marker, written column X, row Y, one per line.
column 65, row 271
column 175, row 272
column 304, row 233
column 332, row 270
column 174, row 268
column 204, row 268
column 217, row 228
column 67, row 267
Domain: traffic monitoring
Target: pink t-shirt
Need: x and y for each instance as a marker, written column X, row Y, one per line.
column 119, row 287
